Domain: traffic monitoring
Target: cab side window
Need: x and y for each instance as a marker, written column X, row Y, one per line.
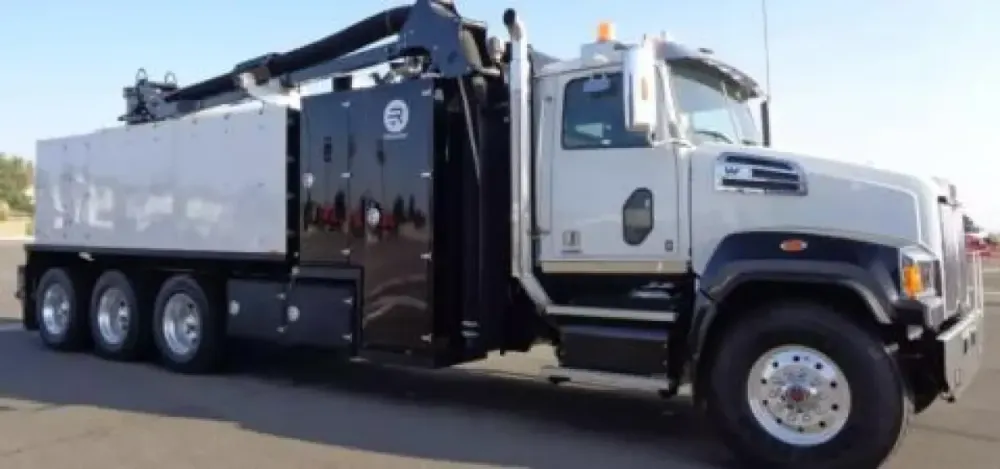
column 593, row 115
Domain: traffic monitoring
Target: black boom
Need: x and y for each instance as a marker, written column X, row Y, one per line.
column 430, row 32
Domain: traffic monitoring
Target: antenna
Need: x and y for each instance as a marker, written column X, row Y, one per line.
column 765, row 105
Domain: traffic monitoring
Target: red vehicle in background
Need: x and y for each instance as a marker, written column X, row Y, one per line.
column 977, row 239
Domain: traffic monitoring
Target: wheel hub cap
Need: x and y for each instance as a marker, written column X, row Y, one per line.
column 182, row 325
column 113, row 315
column 55, row 309
column 798, row 395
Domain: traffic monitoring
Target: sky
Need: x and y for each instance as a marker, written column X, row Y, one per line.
column 895, row 83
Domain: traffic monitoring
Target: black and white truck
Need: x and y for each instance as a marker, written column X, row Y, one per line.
column 482, row 196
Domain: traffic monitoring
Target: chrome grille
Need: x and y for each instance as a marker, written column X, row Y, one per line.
column 976, row 296
column 954, row 263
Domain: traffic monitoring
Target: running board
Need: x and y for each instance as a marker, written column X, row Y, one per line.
column 558, row 375
column 612, row 313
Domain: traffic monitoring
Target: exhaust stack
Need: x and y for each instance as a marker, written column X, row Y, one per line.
column 522, row 265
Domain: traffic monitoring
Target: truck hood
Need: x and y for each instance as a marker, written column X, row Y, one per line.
column 853, row 200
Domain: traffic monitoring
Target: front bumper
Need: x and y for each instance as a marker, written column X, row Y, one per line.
column 961, row 350
column 960, row 346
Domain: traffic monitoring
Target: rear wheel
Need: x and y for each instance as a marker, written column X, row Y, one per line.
column 800, row 384
column 187, row 327
column 117, row 324
column 61, row 326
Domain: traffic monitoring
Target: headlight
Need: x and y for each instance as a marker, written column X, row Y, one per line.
column 916, row 273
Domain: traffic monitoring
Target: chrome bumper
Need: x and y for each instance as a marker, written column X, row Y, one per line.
column 961, row 345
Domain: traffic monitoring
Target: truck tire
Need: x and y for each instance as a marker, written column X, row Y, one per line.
column 117, row 324
column 798, row 384
column 61, row 326
column 186, row 327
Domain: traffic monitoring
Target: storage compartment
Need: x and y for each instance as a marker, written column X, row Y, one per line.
column 316, row 312
column 254, row 308
column 319, row 314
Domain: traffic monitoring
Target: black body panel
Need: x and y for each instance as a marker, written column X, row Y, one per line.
column 370, row 156
column 871, row 270
column 615, row 348
column 401, row 188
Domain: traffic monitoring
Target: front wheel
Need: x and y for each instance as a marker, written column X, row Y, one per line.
column 799, row 384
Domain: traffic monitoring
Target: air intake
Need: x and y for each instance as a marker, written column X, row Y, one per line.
column 759, row 174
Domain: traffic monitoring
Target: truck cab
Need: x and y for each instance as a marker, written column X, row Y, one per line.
column 606, row 181
column 661, row 217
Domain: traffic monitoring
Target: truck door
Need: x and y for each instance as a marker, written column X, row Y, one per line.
column 614, row 199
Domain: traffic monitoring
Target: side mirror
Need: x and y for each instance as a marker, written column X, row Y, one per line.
column 639, row 91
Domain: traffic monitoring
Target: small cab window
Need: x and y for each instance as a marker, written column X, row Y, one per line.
column 593, row 115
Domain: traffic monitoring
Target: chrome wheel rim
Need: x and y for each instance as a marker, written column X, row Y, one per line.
column 182, row 325
column 55, row 309
column 799, row 395
column 113, row 316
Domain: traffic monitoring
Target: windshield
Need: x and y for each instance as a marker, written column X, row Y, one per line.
column 714, row 108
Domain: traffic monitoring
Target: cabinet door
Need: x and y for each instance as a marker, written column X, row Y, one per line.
column 391, row 197
column 614, row 198
column 325, row 180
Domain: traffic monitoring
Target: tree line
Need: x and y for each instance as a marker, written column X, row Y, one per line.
column 16, row 177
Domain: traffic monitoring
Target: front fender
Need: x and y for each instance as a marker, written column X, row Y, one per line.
column 866, row 268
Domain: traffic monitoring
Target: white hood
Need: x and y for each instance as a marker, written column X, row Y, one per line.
column 851, row 200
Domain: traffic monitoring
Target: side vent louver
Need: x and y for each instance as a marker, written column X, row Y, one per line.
column 759, row 174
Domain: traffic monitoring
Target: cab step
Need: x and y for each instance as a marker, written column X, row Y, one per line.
column 559, row 375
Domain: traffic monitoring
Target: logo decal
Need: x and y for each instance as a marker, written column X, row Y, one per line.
column 396, row 116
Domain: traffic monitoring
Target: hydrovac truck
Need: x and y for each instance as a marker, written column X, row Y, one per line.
column 474, row 194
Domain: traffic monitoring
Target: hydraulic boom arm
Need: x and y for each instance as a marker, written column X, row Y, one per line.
column 430, row 34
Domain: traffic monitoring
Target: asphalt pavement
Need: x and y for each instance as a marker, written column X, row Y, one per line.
column 73, row 411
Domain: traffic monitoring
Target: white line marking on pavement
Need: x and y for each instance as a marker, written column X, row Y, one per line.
column 15, row 327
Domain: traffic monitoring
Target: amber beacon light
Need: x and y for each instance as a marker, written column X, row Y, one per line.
column 605, row 31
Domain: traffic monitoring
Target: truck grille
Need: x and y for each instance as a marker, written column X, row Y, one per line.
column 977, row 294
column 956, row 266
